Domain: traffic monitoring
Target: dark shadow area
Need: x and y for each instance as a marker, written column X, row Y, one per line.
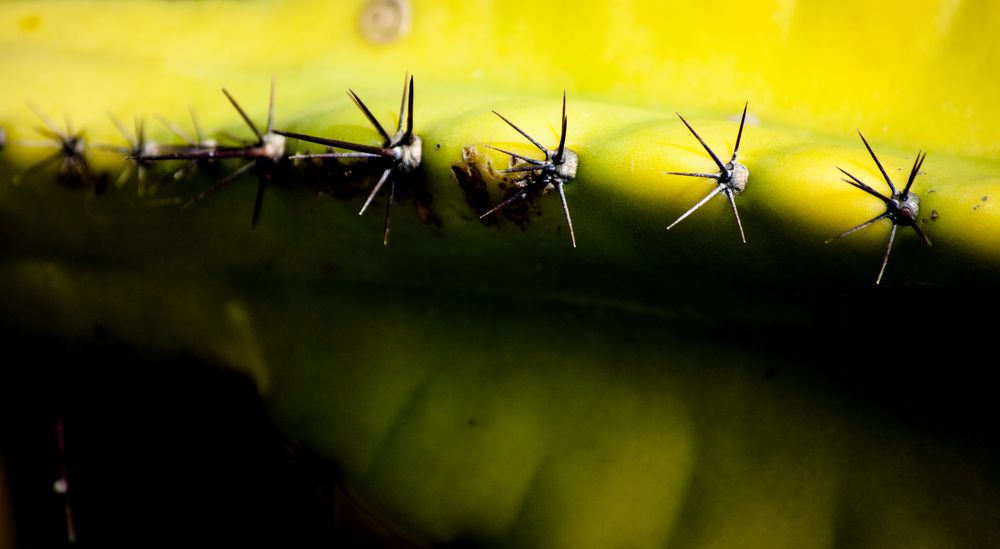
column 163, row 452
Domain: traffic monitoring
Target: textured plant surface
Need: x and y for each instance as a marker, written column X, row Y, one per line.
column 482, row 381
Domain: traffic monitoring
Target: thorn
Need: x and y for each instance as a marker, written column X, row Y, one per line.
column 739, row 135
column 386, row 141
column 239, row 109
column 711, row 153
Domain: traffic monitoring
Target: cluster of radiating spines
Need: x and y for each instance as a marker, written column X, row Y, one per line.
column 901, row 207
column 731, row 179
column 71, row 147
column 401, row 152
column 138, row 146
column 263, row 155
column 554, row 171
column 70, row 151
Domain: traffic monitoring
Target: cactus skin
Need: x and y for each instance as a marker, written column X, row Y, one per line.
column 488, row 383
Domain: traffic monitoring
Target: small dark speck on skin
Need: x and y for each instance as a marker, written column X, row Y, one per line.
column 473, row 422
column 934, row 215
column 437, row 147
column 985, row 198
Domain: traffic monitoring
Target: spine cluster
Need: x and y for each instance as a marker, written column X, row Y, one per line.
column 399, row 155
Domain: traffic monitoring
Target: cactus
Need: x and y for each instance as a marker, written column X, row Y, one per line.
column 481, row 380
